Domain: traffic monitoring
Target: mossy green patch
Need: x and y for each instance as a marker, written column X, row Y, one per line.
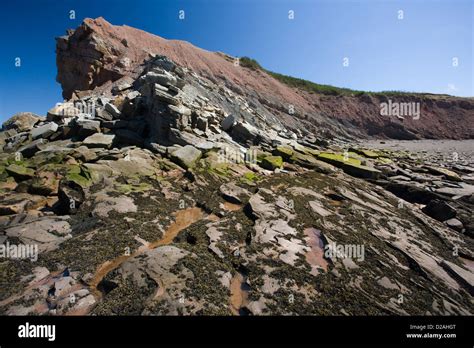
column 80, row 175
column 249, row 178
column 383, row 160
column 308, row 161
column 213, row 165
column 219, row 170
column 284, row 151
column 350, row 165
column 272, row 162
column 338, row 159
column 20, row 172
column 366, row 152
column 261, row 155
column 3, row 173
column 312, row 152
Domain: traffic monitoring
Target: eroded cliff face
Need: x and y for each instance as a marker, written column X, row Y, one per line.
column 97, row 54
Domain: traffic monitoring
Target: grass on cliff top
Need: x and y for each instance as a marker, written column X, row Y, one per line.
column 312, row 87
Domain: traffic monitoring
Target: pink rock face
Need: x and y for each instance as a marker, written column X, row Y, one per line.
column 97, row 54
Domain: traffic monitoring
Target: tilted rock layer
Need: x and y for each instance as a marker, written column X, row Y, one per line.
column 98, row 52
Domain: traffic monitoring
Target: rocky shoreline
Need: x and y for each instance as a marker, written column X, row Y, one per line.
column 167, row 193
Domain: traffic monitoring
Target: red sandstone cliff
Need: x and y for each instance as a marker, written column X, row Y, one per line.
column 98, row 53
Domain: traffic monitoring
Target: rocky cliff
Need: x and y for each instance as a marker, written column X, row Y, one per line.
column 164, row 187
column 98, row 53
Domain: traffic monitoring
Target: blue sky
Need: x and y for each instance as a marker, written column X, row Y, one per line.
column 385, row 53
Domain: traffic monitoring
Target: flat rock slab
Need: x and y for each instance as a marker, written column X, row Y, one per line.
column 99, row 140
column 449, row 174
column 186, row 156
column 464, row 277
column 32, row 148
column 46, row 232
column 272, row 162
column 20, row 172
column 44, row 131
column 234, row 194
column 18, row 203
column 106, row 203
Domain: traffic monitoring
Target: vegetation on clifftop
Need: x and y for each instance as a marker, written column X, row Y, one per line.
column 312, row 87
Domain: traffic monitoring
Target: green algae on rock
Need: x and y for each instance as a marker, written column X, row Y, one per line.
column 271, row 162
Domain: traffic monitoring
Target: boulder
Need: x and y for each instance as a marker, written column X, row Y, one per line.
column 180, row 116
column 163, row 62
column 338, row 159
column 448, row 174
column 411, row 192
column 84, row 154
column 164, row 97
column 15, row 141
column 186, row 156
column 228, row 122
column 5, row 134
column 17, row 203
column 22, row 122
column 246, row 134
column 44, row 131
column 85, row 128
column 99, row 140
column 106, row 203
column 71, row 196
column 164, row 79
column 201, row 123
column 366, row 153
column 361, row 171
column 455, row 224
column 179, row 110
column 112, row 110
column 63, row 286
column 3, row 137
column 115, row 124
column 350, row 165
column 284, row 151
column 271, row 162
column 462, row 191
column 20, row 173
column 185, row 138
column 44, row 183
column 103, row 114
column 62, row 112
column 121, row 87
column 308, row 161
column 29, row 150
column 234, row 193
